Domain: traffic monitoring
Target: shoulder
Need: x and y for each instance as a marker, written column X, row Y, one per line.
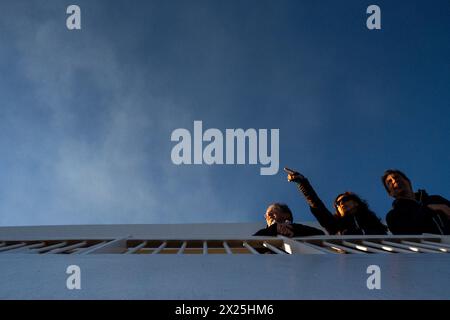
column 391, row 215
column 437, row 199
column 267, row 231
column 262, row 232
column 307, row 229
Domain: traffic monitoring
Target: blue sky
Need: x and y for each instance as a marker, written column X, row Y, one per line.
column 86, row 116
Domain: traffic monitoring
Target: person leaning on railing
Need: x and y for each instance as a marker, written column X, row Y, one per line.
column 279, row 221
column 414, row 213
column 352, row 215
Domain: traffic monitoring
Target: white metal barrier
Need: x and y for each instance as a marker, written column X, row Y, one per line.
column 390, row 244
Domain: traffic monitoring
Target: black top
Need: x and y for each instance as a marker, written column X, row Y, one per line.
column 299, row 230
column 410, row 216
column 361, row 222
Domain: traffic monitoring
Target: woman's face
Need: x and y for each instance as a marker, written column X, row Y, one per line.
column 346, row 205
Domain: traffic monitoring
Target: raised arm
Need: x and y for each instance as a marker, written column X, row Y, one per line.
column 318, row 209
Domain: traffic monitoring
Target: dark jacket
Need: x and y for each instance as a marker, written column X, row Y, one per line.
column 299, row 230
column 414, row 217
column 362, row 222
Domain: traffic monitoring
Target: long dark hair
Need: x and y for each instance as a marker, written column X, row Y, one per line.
column 363, row 210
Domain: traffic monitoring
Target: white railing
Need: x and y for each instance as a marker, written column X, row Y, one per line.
column 358, row 245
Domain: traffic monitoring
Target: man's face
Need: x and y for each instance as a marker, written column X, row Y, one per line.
column 398, row 186
column 275, row 215
column 346, row 205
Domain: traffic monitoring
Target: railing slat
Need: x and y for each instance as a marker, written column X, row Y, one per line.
column 116, row 246
column 250, row 248
column 27, row 248
column 183, row 246
column 205, row 247
column 399, row 245
column 12, row 246
column 422, row 247
column 71, row 247
column 385, row 247
column 273, row 248
column 333, row 245
column 227, row 247
column 317, row 247
column 362, row 247
column 88, row 250
column 440, row 244
column 137, row 248
column 293, row 246
column 158, row 250
column 47, row 248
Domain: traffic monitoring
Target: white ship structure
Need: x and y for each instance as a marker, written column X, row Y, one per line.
column 221, row 261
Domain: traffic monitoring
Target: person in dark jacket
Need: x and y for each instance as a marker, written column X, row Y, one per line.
column 279, row 221
column 414, row 213
column 352, row 215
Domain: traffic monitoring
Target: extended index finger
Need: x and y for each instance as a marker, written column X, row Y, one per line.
column 290, row 171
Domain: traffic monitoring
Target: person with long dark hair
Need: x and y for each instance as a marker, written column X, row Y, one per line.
column 352, row 214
